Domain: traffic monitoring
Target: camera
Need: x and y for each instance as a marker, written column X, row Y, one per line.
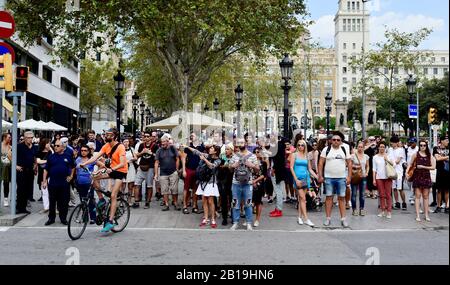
column 108, row 162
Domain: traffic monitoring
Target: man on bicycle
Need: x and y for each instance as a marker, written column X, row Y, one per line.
column 116, row 168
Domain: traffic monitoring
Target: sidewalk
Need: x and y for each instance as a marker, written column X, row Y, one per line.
column 155, row 218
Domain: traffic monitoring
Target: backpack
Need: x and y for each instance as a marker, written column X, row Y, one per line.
column 203, row 174
column 242, row 173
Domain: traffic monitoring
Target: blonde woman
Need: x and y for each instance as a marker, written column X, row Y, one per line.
column 301, row 171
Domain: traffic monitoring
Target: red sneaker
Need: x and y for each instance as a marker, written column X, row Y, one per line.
column 276, row 213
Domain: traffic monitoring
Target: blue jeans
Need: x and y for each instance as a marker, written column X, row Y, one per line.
column 242, row 193
column 361, row 187
column 83, row 190
column 335, row 186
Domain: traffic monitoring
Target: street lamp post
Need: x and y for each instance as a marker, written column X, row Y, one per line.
column 147, row 115
column 119, row 81
column 239, row 92
column 286, row 66
column 290, row 119
column 328, row 99
column 205, row 109
column 392, row 120
column 411, row 86
column 216, row 107
column 266, row 111
column 355, row 116
column 135, row 100
column 142, row 109
column 363, row 70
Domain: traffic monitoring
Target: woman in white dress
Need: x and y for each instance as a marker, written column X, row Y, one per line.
column 131, row 158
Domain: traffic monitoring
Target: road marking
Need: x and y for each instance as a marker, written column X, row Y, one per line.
column 4, row 229
column 315, row 230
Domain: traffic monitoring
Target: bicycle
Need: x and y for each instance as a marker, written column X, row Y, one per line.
column 79, row 217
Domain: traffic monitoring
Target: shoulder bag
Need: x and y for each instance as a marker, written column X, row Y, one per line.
column 356, row 174
column 390, row 171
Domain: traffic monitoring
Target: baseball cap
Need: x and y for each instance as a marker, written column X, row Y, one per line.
column 412, row 140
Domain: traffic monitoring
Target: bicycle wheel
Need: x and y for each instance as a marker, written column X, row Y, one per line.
column 122, row 215
column 78, row 221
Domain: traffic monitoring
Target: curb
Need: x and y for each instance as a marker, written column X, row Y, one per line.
column 8, row 220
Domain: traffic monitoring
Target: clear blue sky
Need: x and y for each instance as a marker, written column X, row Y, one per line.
column 406, row 15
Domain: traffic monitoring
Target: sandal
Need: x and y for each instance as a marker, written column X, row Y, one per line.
column 195, row 210
column 213, row 224
column 204, row 222
column 185, row 211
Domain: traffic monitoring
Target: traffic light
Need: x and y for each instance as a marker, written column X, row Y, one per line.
column 21, row 79
column 432, row 116
column 6, row 72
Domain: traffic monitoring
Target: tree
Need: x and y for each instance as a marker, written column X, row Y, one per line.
column 96, row 85
column 190, row 38
column 390, row 56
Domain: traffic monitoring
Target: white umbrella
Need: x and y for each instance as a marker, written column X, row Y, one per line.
column 31, row 125
column 6, row 125
column 55, row 127
column 193, row 119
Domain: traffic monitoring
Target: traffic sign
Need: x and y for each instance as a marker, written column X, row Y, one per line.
column 412, row 111
column 7, row 24
column 6, row 48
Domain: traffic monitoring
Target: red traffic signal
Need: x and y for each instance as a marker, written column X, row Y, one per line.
column 22, row 78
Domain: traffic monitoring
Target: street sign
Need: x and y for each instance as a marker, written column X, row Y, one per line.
column 6, row 48
column 412, row 111
column 7, row 24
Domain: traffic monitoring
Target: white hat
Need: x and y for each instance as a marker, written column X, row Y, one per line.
column 91, row 145
column 64, row 140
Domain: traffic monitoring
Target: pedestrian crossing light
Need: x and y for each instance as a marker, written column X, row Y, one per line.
column 6, row 72
column 432, row 116
column 21, row 79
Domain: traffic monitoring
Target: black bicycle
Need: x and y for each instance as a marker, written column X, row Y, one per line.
column 79, row 217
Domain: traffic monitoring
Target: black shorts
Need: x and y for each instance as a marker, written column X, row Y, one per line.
column 117, row 175
column 258, row 194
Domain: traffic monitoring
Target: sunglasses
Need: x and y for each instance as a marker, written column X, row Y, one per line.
column 57, row 145
column 336, row 140
column 301, row 145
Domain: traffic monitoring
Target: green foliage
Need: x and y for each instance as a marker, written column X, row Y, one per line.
column 375, row 132
column 322, row 121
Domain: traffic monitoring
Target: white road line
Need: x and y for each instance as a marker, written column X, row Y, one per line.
column 242, row 230
column 6, row 25
column 4, row 229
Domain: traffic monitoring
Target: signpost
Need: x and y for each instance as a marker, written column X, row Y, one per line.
column 6, row 48
column 7, row 24
column 412, row 111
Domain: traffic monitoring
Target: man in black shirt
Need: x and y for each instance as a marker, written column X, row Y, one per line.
column 371, row 149
column 441, row 154
column 26, row 169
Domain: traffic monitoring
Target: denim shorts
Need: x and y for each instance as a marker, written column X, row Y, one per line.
column 335, row 186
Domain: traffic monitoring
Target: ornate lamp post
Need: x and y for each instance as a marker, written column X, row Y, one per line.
column 328, row 99
column 216, row 106
column 266, row 113
column 147, row 115
column 135, row 100
column 286, row 66
column 393, row 121
column 355, row 117
column 142, row 109
column 119, row 81
column 411, row 86
column 239, row 92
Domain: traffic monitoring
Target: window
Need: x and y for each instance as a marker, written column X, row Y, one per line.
column 344, row 90
column 377, row 80
column 425, row 71
column 353, row 6
column 445, row 70
column 345, row 27
column 443, row 59
column 47, row 74
column 354, row 80
column 328, row 83
column 344, row 80
column 344, row 58
column 353, row 24
column 348, row 6
column 358, row 24
column 433, row 59
column 386, row 71
column 316, row 110
column 345, row 44
column 396, row 70
column 98, row 56
column 69, row 87
column 33, row 65
column 357, row 6
column 344, row 70
column 435, row 71
column 354, row 70
column 396, row 80
column 48, row 39
column 386, row 81
column 82, row 55
column 354, row 45
column 377, row 70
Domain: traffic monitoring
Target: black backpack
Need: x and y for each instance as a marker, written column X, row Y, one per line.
column 242, row 173
column 203, row 174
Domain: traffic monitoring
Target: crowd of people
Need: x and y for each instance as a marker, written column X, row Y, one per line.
column 230, row 178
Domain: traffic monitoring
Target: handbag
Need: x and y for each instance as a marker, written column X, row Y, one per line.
column 356, row 174
column 410, row 171
column 390, row 171
column 5, row 160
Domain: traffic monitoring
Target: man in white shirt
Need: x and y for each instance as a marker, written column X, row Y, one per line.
column 336, row 174
column 410, row 152
column 397, row 155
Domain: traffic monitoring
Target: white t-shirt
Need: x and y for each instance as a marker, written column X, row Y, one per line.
column 379, row 166
column 335, row 165
column 411, row 152
column 395, row 154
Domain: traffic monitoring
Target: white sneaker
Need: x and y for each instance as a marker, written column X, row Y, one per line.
column 249, row 227
column 234, row 227
column 412, row 202
column 300, row 221
column 6, row 202
column 389, row 216
column 309, row 223
column 421, row 212
column 380, row 215
column 244, row 224
column 256, row 224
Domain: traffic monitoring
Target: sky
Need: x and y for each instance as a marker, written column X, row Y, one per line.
column 405, row 15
